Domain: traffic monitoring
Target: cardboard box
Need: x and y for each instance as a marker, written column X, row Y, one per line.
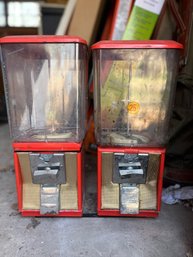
column 56, row 1
column 85, row 19
column 143, row 19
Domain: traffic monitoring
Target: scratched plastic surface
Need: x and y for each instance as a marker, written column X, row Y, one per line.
column 134, row 90
column 45, row 91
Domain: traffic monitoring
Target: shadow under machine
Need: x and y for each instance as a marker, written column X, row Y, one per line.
column 134, row 84
column 45, row 79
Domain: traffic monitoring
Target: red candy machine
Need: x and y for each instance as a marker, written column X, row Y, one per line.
column 45, row 81
column 134, row 83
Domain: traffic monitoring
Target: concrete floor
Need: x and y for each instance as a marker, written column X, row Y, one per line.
column 6, row 158
column 170, row 235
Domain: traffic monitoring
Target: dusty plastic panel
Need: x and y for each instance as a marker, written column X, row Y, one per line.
column 45, row 88
column 134, row 89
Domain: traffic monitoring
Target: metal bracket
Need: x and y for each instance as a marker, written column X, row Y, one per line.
column 129, row 199
column 130, row 168
column 49, row 199
column 47, row 168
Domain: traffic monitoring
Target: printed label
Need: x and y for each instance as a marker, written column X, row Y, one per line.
column 133, row 107
column 153, row 6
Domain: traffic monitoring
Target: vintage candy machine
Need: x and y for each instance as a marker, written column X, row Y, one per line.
column 45, row 81
column 134, row 84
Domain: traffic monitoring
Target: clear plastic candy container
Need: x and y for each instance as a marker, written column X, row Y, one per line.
column 134, row 84
column 45, row 84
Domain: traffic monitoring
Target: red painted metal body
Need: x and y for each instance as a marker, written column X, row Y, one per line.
column 48, row 147
column 41, row 39
column 145, row 213
column 137, row 44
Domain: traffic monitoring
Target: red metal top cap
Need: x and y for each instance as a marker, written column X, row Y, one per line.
column 117, row 44
column 41, row 39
